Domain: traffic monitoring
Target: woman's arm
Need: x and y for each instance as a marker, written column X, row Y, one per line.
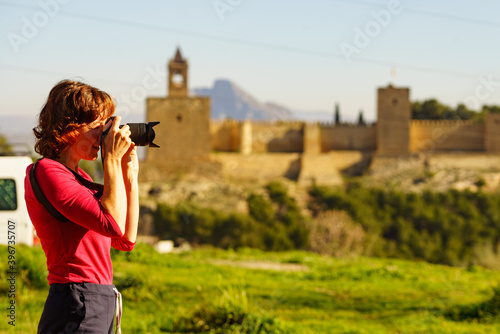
column 72, row 199
column 115, row 197
column 130, row 171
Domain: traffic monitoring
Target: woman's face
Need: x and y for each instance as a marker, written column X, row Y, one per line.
column 88, row 141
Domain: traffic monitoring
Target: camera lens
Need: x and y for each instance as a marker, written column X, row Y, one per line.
column 142, row 134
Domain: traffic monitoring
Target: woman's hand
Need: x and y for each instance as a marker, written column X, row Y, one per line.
column 121, row 167
column 130, row 166
column 117, row 142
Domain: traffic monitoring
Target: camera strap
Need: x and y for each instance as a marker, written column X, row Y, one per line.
column 46, row 203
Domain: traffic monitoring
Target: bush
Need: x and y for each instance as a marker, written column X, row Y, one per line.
column 260, row 209
column 226, row 313
column 278, row 193
column 446, row 227
column 142, row 253
column 483, row 312
column 268, row 227
column 334, row 233
column 125, row 280
column 238, row 230
column 32, row 266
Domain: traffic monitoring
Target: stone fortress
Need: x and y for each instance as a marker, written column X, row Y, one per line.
column 190, row 142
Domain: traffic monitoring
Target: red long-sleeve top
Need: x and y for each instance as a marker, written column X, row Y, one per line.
column 79, row 250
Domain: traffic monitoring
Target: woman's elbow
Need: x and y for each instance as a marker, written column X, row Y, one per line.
column 123, row 244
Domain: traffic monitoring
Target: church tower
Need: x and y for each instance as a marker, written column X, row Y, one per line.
column 178, row 76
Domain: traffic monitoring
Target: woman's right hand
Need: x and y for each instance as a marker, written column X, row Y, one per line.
column 117, row 141
column 116, row 145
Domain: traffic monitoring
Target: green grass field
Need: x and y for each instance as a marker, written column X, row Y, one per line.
column 248, row 291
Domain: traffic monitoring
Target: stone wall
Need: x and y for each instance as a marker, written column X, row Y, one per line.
column 323, row 168
column 183, row 133
column 429, row 135
column 466, row 160
column 225, row 135
column 348, row 137
column 319, row 169
column 258, row 166
column 277, row 137
column 256, row 136
column 163, row 171
column 291, row 137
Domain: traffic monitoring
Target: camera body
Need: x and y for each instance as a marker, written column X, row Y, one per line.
column 142, row 134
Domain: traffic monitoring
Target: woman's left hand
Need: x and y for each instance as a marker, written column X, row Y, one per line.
column 130, row 166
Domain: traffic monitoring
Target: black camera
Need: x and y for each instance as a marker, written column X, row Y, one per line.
column 142, row 134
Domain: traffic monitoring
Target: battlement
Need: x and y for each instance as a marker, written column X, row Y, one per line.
column 226, row 121
column 345, row 125
column 444, row 123
column 273, row 122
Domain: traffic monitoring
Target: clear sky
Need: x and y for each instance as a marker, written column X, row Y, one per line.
column 306, row 55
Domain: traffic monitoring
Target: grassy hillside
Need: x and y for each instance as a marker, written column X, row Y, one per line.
column 250, row 291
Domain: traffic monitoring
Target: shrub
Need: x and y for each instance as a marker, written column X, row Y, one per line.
column 142, row 253
column 31, row 264
column 260, row 209
column 125, row 280
column 278, row 192
column 290, row 215
column 227, row 313
column 445, row 227
column 30, row 267
column 268, row 227
column 165, row 222
column 238, row 230
column 276, row 238
column 334, row 233
column 486, row 311
column 480, row 182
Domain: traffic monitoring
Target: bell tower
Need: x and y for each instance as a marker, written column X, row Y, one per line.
column 177, row 76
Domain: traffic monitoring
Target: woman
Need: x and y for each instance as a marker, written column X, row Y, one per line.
column 81, row 295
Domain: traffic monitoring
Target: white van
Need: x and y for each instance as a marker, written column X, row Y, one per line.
column 15, row 224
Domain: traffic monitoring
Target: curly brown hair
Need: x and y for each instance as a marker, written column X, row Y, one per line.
column 70, row 105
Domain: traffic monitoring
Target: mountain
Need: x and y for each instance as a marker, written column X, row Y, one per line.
column 314, row 116
column 231, row 101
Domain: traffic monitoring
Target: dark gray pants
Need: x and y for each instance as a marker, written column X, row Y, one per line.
column 78, row 308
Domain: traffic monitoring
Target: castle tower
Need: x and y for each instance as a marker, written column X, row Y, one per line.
column 492, row 132
column 177, row 76
column 184, row 130
column 394, row 119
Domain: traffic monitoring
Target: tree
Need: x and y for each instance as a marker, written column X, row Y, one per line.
column 485, row 110
column 434, row 110
column 5, row 147
column 429, row 109
column 337, row 113
column 491, row 109
column 465, row 113
column 361, row 120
